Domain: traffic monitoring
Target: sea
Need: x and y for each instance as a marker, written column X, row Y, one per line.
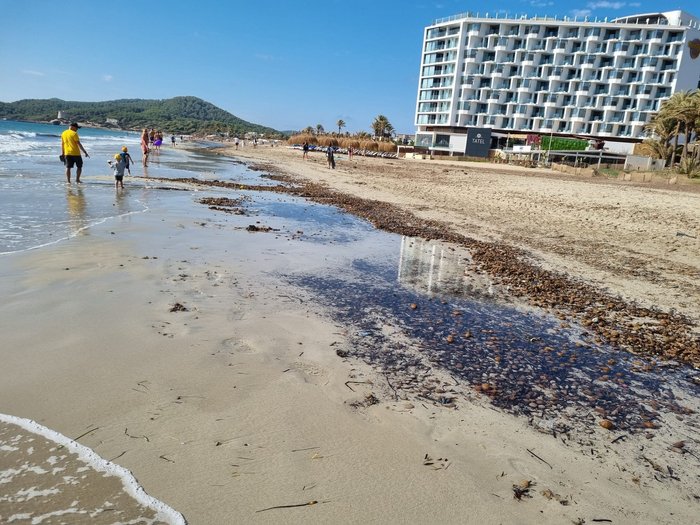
column 38, row 208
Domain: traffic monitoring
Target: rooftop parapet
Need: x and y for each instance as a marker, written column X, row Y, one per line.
column 669, row 18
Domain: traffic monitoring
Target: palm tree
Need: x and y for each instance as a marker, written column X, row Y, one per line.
column 340, row 124
column 662, row 130
column 381, row 126
column 308, row 130
column 319, row 129
column 684, row 108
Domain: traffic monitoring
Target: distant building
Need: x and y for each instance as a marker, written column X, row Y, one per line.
column 595, row 79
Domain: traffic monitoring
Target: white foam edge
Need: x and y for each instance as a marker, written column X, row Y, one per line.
column 132, row 487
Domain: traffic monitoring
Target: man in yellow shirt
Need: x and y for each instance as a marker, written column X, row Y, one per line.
column 70, row 151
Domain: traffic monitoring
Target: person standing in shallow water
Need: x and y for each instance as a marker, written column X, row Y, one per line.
column 144, row 146
column 70, row 151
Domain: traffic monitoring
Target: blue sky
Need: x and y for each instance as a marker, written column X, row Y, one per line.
column 284, row 64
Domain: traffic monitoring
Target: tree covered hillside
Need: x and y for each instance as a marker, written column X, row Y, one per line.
column 174, row 115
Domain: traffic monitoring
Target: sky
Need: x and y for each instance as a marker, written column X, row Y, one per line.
column 280, row 63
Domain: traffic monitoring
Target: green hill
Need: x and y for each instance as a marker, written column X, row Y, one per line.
column 180, row 115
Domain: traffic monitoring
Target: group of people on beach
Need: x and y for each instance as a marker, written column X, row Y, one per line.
column 152, row 141
column 71, row 149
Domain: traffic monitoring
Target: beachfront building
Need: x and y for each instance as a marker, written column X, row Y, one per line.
column 487, row 77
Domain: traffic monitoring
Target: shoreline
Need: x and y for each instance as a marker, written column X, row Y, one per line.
column 242, row 401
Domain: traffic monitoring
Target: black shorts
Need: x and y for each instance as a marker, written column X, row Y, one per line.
column 74, row 160
column 119, row 178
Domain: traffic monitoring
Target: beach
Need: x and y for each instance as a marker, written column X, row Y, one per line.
column 194, row 348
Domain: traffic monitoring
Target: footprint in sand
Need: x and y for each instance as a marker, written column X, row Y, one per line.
column 237, row 346
column 311, row 373
column 520, row 467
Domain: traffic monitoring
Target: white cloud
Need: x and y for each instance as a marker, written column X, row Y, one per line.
column 604, row 4
column 107, row 78
column 581, row 12
column 32, row 72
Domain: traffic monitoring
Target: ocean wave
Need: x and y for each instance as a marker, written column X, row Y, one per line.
column 91, row 460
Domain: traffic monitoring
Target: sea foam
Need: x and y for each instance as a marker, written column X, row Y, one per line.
column 25, row 463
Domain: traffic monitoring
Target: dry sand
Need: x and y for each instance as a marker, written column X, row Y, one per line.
column 239, row 403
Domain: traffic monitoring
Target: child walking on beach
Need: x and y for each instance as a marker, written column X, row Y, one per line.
column 118, row 165
column 127, row 159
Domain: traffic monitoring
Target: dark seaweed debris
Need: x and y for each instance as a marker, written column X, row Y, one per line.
column 614, row 321
column 525, row 363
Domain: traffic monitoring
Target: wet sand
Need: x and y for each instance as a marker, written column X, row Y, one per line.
column 241, row 404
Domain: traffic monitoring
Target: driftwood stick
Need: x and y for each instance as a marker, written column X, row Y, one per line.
column 314, row 502
column 618, row 438
column 542, row 460
column 85, row 433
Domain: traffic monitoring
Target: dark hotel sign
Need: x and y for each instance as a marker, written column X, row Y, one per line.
column 478, row 142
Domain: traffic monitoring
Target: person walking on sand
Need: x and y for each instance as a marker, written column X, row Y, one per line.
column 118, row 165
column 305, row 147
column 144, row 146
column 70, row 151
column 331, row 157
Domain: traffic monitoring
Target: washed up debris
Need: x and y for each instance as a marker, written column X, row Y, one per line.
column 225, row 204
column 178, row 307
column 606, row 424
column 549, row 494
column 522, row 489
column 254, row 228
column 369, row 400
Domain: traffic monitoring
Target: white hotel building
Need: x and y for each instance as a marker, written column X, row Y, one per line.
column 567, row 77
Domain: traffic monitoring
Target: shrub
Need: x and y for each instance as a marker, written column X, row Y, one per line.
column 690, row 166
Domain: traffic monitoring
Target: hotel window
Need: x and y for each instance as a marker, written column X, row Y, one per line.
column 592, row 31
